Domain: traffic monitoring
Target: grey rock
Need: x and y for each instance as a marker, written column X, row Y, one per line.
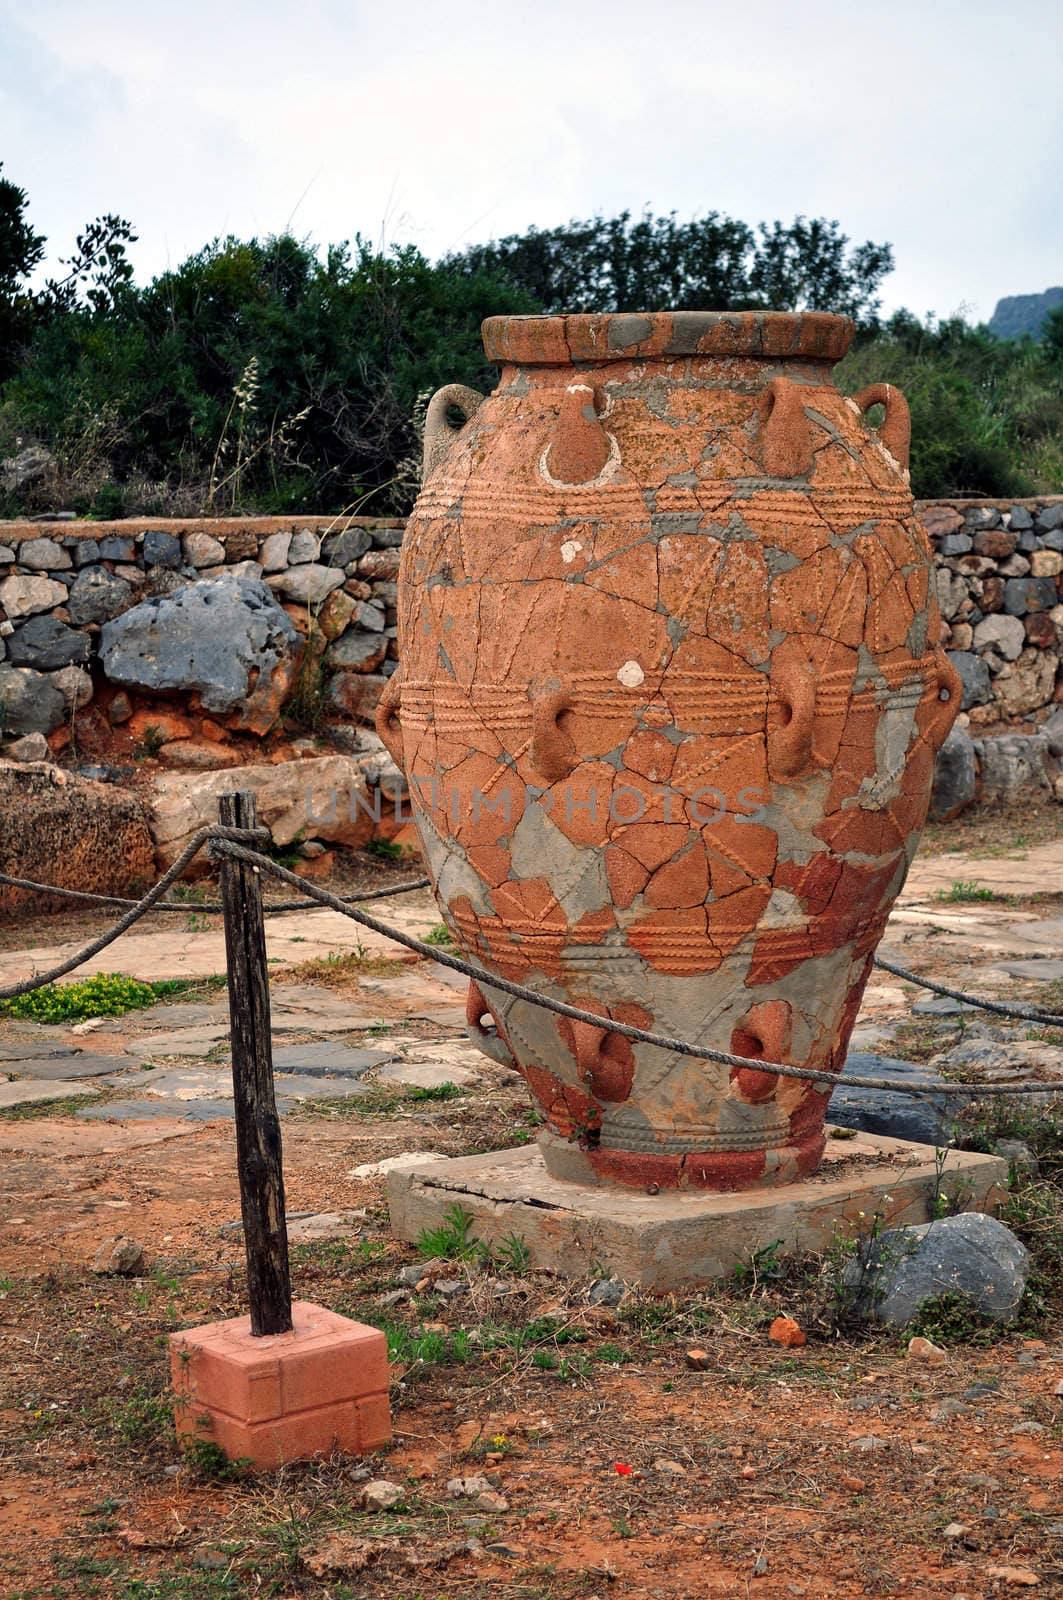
column 97, row 595
column 416, row 1273
column 979, row 517
column 1015, row 566
column 118, row 547
column 356, row 651
column 1027, row 541
column 31, row 747
column 1052, row 540
column 387, row 538
column 955, row 776
column 1005, row 634
column 273, row 552
column 41, row 554
column 1012, row 763
column 304, row 547
column 1022, row 595
column 606, row 1292
column 86, row 552
column 6, row 554
column 75, row 686
column 161, row 549
column 955, row 544
column 30, row 465
column 1049, row 518
column 1052, row 729
column 972, row 1256
column 449, row 1288
column 340, row 549
column 69, row 1068
column 210, row 637
column 307, row 584
column 29, row 701
column 1019, row 519
column 974, row 677
column 368, row 616
column 888, row 1112
column 1018, row 1155
column 46, row 643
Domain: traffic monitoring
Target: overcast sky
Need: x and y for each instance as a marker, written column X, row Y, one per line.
column 935, row 124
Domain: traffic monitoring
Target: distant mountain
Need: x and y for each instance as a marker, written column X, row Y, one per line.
column 1019, row 314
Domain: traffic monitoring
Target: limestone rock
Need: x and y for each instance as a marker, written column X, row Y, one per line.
column 41, row 554
column 358, row 651
column 28, row 466
column 31, row 747
column 341, row 548
column 119, row 1257
column 1012, row 763
column 273, row 552
column 47, row 644
column 324, row 798
column 29, row 701
column 25, row 596
column 59, row 828
column 303, row 548
column 972, row 1255
column 203, row 550
column 75, row 686
column 382, row 1495
column 307, row 584
column 1026, row 684
column 1005, row 634
column 97, row 595
column 224, row 639
column 1029, row 594
column 955, row 776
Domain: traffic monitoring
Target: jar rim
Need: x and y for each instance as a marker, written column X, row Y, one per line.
column 633, row 335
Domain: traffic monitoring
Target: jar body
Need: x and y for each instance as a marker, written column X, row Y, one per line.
column 669, row 699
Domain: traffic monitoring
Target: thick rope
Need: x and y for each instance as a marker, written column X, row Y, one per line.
column 221, row 847
column 136, row 911
column 1003, row 1008
column 222, row 841
column 211, row 906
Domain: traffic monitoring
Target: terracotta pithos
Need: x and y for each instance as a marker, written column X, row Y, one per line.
column 669, row 699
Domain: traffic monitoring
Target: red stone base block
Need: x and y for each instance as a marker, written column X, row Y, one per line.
column 283, row 1397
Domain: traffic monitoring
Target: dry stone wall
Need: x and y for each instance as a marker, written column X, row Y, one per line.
column 101, row 615
column 1000, row 584
column 218, row 619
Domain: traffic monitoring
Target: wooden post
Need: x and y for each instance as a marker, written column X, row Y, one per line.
column 258, row 1133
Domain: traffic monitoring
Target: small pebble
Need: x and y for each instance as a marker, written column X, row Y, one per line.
column 920, row 1349
column 787, row 1332
column 698, row 1360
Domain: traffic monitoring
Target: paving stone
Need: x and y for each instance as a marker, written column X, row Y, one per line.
column 405, row 1161
column 24, row 1094
column 426, row 1074
column 194, row 1083
column 68, row 1068
column 1046, row 971
column 13, row 1051
column 338, row 1059
column 152, row 1110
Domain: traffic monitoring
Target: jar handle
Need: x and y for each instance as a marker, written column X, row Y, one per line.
column 896, row 430
column 786, row 438
column 439, row 433
column 388, row 724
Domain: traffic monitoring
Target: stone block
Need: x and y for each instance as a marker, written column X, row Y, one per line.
column 679, row 1239
column 283, row 1397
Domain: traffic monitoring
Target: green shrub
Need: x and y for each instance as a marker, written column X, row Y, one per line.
column 107, row 994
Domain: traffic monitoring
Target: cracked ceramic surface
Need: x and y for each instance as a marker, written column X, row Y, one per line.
column 669, row 698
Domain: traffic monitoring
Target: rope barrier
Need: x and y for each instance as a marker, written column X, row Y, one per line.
column 561, row 1008
column 234, row 843
column 189, row 906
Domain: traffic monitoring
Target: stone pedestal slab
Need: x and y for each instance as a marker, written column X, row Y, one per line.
column 678, row 1239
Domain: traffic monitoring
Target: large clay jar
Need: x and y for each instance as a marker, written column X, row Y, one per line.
column 669, row 699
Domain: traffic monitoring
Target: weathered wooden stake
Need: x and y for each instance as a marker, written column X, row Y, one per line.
column 258, row 1133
